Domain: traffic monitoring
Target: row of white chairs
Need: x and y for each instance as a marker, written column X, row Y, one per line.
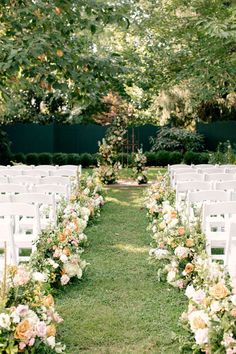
column 216, row 202
column 41, row 167
column 182, row 188
column 28, row 179
column 37, row 172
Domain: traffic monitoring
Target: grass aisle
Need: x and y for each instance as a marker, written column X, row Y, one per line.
column 120, row 307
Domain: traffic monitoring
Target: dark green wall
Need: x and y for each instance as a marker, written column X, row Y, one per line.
column 217, row 132
column 75, row 138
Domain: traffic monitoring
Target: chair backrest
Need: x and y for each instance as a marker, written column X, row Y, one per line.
column 226, row 185
column 37, row 198
column 219, row 177
column 27, row 179
column 13, row 188
column 193, row 186
column 188, row 177
column 55, row 180
column 68, row 167
column 208, row 195
column 203, row 165
column 212, row 170
column 22, row 210
column 52, row 188
column 62, row 172
column 217, row 208
column 11, row 172
column 21, row 167
column 4, row 179
column 36, row 172
column 46, row 167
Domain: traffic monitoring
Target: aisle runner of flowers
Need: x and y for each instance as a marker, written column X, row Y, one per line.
column 27, row 315
column 179, row 253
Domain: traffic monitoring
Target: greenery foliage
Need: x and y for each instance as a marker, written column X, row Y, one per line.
column 173, row 139
column 224, row 154
column 5, row 151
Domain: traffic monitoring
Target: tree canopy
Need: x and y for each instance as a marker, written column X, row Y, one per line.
column 172, row 60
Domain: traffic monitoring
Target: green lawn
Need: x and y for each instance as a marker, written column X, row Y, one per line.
column 120, row 307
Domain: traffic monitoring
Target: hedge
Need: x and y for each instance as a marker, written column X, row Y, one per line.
column 160, row 158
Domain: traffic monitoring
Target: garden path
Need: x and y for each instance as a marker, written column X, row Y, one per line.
column 120, row 307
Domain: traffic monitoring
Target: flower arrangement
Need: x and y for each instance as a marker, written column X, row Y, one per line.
column 108, row 168
column 140, row 173
column 179, row 252
column 28, row 320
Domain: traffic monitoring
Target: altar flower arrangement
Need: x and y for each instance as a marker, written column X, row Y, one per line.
column 139, row 170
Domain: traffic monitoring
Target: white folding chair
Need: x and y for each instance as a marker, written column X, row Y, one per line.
column 47, row 208
column 11, row 172
column 211, row 170
column 226, row 185
column 68, row 167
column 25, row 179
column 187, row 176
column 4, row 179
column 7, row 245
column 24, row 239
column 21, row 167
column 46, row 167
column 182, row 189
column 13, row 188
column 218, row 177
column 36, row 172
column 195, row 199
column 55, row 180
column 203, row 165
column 215, row 216
column 58, row 189
column 62, row 172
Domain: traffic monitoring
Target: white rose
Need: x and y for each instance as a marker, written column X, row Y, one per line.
column 189, row 292
column 181, row 252
column 201, row 336
column 171, row 276
column 64, row 279
column 5, row 320
column 64, row 258
column 215, row 306
column 40, row 277
column 233, row 299
column 198, row 320
column 51, row 341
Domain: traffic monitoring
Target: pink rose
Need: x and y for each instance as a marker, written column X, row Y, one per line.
column 41, row 329
column 21, row 277
column 22, row 310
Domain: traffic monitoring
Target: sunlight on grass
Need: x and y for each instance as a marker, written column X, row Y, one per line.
column 131, row 248
column 114, row 200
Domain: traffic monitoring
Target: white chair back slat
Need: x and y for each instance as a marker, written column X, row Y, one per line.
column 62, row 190
column 55, row 180
column 219, row 177
column 46, row 167
column 4, row 179
column 68, row 167
column 226, row 185
column 11, row 172
column 62, row 172
column 13, row 188
column 36, row 172
column 27, row 179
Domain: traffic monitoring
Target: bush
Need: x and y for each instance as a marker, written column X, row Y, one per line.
column 19, row 158
column 175, row 157
column 32, row 159
column 73, row 159
column 45, row 158
column 191, row 157
column 151, row 158
column 224, row 154
column 162, row 158
column 86, row 159
column 172, row 139
column 59, row 158
column 5, row 152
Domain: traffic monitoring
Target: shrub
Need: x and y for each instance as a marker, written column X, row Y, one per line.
column 172, row 139
column 191, row 157
column 86, row 159
column 45, row 158
column 32, row 159
column 5, row 152
column 59, row 158
column 19, row 158
column 73, row 159
column 151, row 158
column 162, row 158
column 175, row 157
